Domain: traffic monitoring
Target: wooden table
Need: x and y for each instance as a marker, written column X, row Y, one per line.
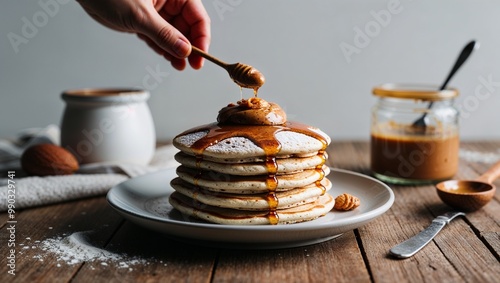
column 467, row 250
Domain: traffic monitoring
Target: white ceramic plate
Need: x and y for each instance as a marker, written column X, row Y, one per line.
column 144, row 201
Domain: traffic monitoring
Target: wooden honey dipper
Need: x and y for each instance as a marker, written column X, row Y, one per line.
column 242, row 74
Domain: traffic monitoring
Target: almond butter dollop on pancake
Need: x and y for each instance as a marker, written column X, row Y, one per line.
column 252, row 166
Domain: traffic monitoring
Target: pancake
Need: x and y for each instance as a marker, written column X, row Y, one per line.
column 237, row 147
column 285, row 165
column 219, row 182
column 252, row 159
column 228, row 216
column 252, row 167
column 286, row 199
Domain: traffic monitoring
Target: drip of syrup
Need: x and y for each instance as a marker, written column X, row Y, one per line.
column 265, row 138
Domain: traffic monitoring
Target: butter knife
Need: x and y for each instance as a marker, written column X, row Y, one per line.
column 414, row 244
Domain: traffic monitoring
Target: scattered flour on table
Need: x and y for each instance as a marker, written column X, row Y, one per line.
column 75, row 249
column 477, row 156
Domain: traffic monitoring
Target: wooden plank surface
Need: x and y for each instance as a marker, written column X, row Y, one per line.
column 303, row 264
column 36, row 225
column 467, row 250
column 162, row 259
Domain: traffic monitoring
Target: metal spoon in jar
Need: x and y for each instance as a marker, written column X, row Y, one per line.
column 242, row 74
column 466, row 51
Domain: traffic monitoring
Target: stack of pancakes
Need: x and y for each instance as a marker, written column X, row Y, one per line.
column 234, row 173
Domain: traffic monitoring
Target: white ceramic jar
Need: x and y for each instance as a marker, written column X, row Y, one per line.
column 108, row 125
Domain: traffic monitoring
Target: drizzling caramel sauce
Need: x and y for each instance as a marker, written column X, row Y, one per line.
column 319, row 169
column 264, row 136
column 271, row 165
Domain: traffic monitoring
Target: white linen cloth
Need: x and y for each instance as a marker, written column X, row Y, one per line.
column 90, row 180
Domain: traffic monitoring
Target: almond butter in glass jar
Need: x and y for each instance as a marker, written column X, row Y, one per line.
column 403, row 152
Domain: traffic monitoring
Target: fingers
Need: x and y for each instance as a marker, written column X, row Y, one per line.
column 169, row 27
column 164, row 35
column 201, row 39
column 198, row 21
column 197, row 34
column 191, row 19
column 151, row 44
column 179, row 64
column 173, row 29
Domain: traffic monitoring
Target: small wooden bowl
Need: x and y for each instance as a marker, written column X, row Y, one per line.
column 465, row 195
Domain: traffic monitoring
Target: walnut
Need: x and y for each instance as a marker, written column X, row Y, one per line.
column 346, row 202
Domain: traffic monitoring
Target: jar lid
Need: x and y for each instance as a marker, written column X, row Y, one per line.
column 106, row 95
column 414, row 91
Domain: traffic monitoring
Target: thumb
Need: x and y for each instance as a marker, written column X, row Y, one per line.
column 166, row 36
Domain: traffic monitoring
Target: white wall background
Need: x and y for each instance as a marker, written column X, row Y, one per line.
column 295, row 43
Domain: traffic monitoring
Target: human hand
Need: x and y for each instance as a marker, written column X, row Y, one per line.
column 169, row 27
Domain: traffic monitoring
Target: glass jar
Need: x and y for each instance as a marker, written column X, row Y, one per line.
column 404, row 151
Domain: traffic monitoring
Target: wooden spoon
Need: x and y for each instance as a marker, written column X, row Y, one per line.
column 470, row 195
column 242, row 74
